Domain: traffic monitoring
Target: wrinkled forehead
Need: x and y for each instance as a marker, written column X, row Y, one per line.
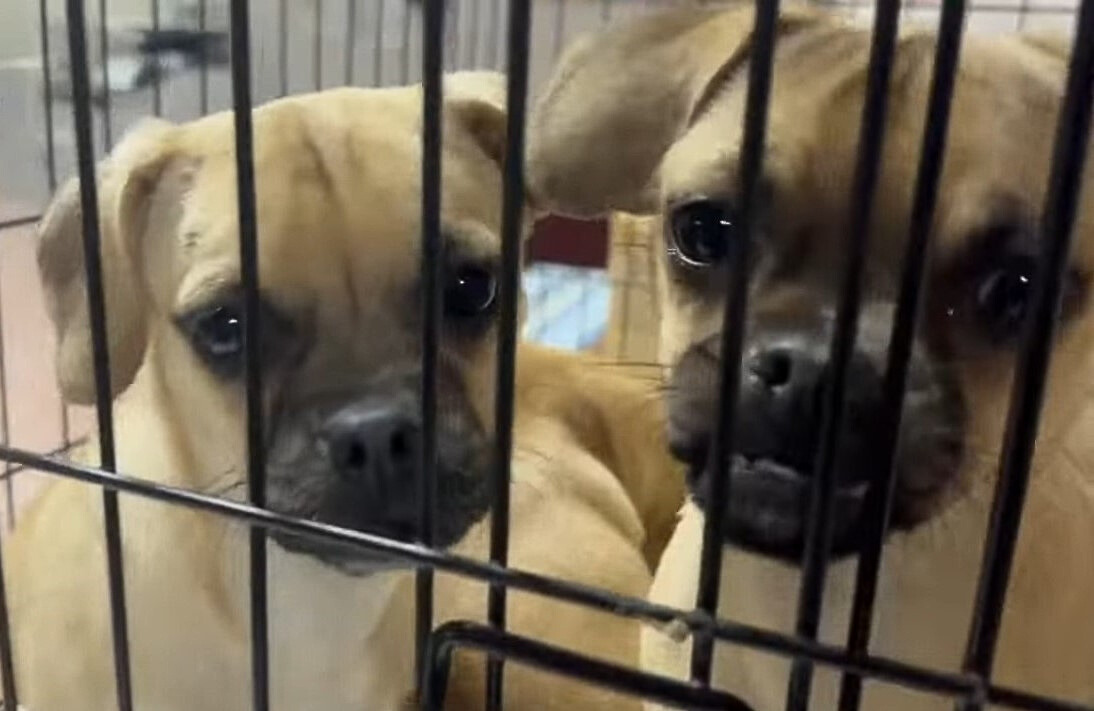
column 997, row 157
column 1000, row 150
column 338, row 192
column 808, row 69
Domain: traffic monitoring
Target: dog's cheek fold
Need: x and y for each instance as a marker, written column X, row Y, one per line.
column 931, row 447
column 463, row 477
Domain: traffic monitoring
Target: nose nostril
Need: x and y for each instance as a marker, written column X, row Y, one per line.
column 400, row 445
column 773, row 368
column 356, row 456
column 780, row 368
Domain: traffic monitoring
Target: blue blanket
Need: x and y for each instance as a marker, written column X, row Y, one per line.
column 568, row 306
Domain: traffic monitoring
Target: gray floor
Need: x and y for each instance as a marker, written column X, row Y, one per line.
column 383, row 48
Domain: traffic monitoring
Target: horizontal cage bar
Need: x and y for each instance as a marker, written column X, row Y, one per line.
column 971, row 688
column 881, row 668
column 498, row 644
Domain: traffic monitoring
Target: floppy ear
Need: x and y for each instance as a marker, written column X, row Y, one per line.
column 619, row 99
column 477, row 100
column 125, row 181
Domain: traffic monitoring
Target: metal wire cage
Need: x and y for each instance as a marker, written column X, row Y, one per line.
column 485, row 45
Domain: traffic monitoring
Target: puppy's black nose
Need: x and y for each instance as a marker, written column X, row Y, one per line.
column 782, row 405
column 369, row 442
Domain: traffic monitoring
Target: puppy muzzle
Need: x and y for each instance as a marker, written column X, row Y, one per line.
column 785, row 378
column 357, row 466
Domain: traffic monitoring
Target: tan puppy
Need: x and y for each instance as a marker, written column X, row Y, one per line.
column 338, row 220
column 647, row 118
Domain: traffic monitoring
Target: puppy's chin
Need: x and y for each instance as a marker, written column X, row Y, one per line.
column 768, row 507
column 347, row 559
column 767, row 510
column 315, row 494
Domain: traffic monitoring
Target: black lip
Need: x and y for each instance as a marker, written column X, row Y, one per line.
column 767, row 508
column 349, row 559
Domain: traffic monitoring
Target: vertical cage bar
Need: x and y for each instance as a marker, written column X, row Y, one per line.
column 51, row 182
column 7, row 666
column 7, row 661
column 473, row 36
column 404, row 73
column 157, row 77
column 351, row 40
column 5, row 427
column 203, row 88
column 1031, row 371
column 378, row 49
column 283, row 45
column 104, row 55
column 89, row 208
column 452, row 34
column 560, row 26
column 47, row 100
column 9, row 483
column 1023, row 14
column 879, row 498
column 733, row 326
column 432, row 104
column 497, row 61
column 512, row 229
column 492, row 29
column 818, row 540
column 248, row 254
column 317, row 46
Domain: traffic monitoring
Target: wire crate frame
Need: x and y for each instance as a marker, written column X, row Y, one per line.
column 972, row 688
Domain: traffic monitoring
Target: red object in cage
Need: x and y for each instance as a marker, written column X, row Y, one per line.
column 562, row 240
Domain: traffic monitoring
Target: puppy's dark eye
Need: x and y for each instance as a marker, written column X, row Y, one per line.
column 470, row 292
column 1003, row 296
column 702, row 232
column 217, row 333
